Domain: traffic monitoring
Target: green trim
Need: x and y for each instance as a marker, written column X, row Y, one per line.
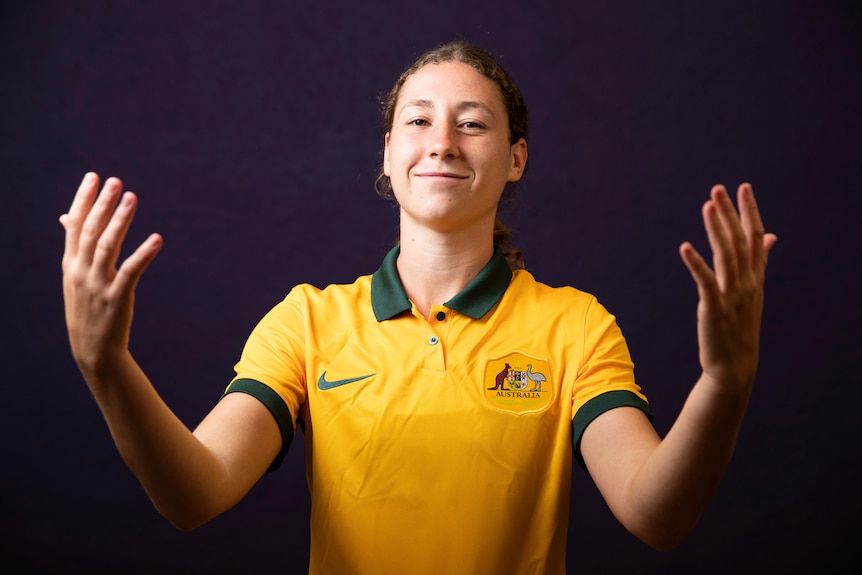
column 276, row 407
column 597, row 406
column 389, row 299
column 486, row 289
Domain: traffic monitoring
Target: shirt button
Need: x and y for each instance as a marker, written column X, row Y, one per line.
column 441, row 315
column 433, row 340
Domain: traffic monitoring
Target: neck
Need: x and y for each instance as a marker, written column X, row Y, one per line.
column 434, row 266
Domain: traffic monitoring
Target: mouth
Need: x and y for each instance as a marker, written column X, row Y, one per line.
column 441, row 175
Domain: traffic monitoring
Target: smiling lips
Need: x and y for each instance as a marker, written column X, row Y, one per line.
column 440, row 175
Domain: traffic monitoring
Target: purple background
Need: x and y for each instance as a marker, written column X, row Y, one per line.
column 250, row 131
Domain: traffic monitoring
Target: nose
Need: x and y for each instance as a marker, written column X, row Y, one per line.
column 444, row 141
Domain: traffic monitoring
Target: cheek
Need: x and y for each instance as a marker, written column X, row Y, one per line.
column 397, row 160
column 497, row 170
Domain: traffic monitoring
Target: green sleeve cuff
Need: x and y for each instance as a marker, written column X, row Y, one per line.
column 597, row 406
column 276, row 407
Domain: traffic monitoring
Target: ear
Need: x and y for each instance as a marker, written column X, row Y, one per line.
column 519, row 160
column 386, row 170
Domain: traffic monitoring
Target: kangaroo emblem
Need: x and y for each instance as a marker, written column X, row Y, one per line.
column 501, row 378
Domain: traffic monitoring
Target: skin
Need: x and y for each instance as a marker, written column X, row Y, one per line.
column 449, row 158
column 658, row 488
column 189, row 476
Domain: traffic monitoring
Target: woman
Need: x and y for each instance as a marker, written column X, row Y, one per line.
column 440, row 398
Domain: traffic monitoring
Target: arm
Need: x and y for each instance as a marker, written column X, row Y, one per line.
column 657, row 488
column 190, row 476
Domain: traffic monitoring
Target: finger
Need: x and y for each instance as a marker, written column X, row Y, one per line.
column 752, row 226
column 723, row 260
column 740, row 255
column 81, row 205
column 769, row 240
column 111, row 239
column 97, row 219
column 133, row 267
column 707, row 285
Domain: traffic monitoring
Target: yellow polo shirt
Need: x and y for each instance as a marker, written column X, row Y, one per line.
column 439, row 445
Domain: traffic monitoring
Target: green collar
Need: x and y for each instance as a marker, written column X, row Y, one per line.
column 388, row 298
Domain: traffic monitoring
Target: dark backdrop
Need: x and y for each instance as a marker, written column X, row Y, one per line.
column 251, row 132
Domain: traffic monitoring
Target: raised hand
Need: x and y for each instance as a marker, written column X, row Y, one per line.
column 731, row 294
column 98, row 295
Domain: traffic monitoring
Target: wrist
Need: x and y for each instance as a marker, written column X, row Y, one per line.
column 726, row 389
column 104, row 368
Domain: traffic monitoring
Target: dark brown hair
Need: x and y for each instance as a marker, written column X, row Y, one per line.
column 516, row 110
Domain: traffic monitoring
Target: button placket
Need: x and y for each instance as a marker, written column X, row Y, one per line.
column 435, row 352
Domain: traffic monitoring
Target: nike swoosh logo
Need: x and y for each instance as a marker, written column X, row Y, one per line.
column 324, row 385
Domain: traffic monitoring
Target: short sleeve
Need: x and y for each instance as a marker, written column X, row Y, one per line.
column 605, row 379
column 272, row 365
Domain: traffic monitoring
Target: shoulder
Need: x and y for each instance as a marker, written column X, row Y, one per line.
column 332, row 303
column 308, row 312
column 525, row 286
column 565, row 305
column 332, row 293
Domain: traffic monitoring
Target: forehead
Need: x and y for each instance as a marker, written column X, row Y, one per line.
column 449, row 82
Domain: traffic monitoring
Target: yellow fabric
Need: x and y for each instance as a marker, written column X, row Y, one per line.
column 422, row 467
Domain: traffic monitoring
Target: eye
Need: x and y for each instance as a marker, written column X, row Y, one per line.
column 417, row 122
column 472, row 125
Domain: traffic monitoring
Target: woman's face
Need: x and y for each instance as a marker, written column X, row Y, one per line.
column 448, row 154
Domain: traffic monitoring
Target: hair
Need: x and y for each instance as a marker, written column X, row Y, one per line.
column 516, row 110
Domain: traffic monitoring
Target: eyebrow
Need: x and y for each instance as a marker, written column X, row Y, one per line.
column 461, row 106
